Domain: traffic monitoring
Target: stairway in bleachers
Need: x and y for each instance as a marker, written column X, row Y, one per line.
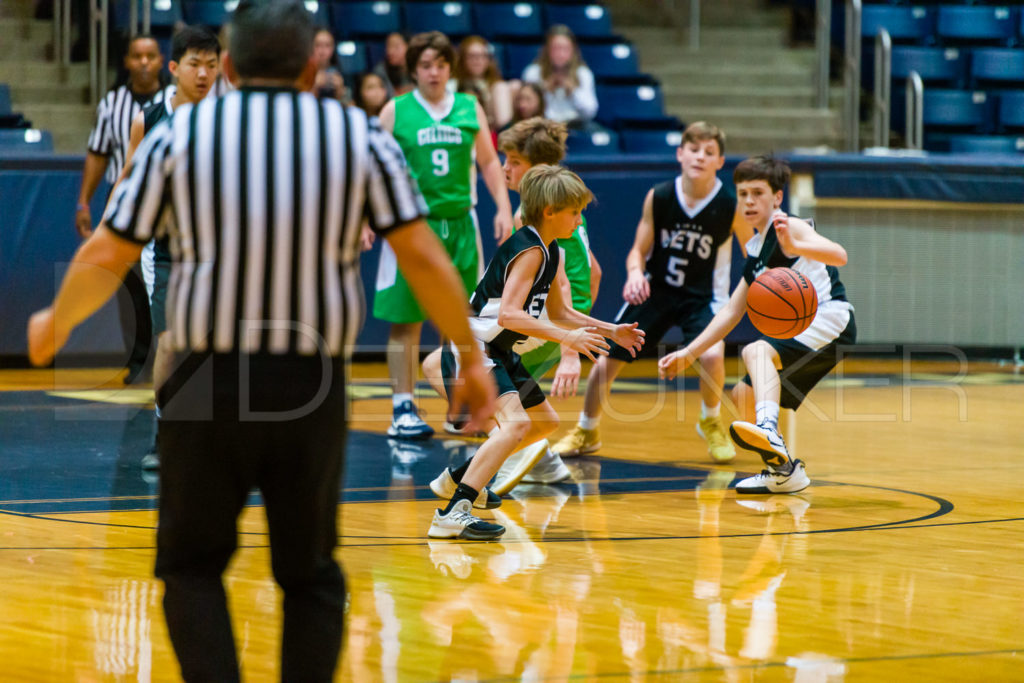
column 52, row 97
column 744, row 78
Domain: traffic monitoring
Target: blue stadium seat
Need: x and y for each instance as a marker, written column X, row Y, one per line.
column 164, row 14
column 611, row 58
column 210, row 13
column 1011, row 110
column 904, row 24
column 976, row 24
column 319, row 10
column 497, row 20
column 986, row 144
column 361, row 19
column 997, row 66
column 934, row 64
column 518, row 56
column 592, row 140
column 586, row 21
column 660, row 138
column 960, row 109
column 5, row 99
column 451, row 18
column 352, row 56
column 20, row 140
column 629, row 101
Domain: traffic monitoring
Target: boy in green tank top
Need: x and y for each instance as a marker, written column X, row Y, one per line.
column 439, row 132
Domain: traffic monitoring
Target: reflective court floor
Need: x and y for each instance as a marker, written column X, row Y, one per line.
column 901, row 561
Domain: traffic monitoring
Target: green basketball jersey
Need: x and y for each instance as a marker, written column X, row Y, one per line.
column 577, row 266
column 439, row 151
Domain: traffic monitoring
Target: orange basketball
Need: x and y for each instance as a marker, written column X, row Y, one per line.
column 781, row 303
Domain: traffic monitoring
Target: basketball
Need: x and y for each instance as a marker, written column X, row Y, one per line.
column 781, row 303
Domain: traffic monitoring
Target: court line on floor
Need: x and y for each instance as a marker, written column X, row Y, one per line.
column 764, row 665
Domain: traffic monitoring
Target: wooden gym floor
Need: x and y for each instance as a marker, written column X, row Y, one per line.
column 902, row 561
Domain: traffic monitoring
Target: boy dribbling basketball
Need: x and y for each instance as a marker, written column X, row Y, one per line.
column 521, row 283
column 780, row 371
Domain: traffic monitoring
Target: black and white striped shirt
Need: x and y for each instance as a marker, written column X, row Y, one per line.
column 111, row 133
column 263, row 193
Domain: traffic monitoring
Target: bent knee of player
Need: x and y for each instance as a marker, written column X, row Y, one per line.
column 759, row 352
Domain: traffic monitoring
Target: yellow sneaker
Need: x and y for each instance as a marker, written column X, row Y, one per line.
column 579, row 441
column 720, row 448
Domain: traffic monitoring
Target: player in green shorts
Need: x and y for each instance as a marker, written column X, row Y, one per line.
column 526, row 144
column 439, row 132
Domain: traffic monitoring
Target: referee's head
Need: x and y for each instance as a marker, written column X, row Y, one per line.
column 271, row 42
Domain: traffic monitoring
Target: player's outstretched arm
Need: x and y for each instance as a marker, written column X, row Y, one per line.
column 629, row 337
column 637, row 288
column 672, row 364
column 799, row 238
column 494, row 177
column 438, row 288
column 95, row 274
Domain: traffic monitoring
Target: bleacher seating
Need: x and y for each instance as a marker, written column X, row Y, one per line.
column 1000, row 67
column 353, row 57
column 594, row 139
column 163, row 14
column 365, row 19
column 976, row 25
column 659, row 137
column 904, row 24
column 620, row 103
column 499, row 20
column 451, row 18
column 986, row 144
column 22, row 140
column 1011, row 111
column 519, row 55
column 5, row 98
column 210, row 13
column 611, row 58
column 586, row 21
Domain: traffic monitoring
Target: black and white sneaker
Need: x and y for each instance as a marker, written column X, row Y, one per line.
column 771, row 481
column 461, row 523
column 406, row 423
column 764, row 440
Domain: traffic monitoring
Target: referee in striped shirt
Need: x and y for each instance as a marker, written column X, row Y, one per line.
column 262, row 192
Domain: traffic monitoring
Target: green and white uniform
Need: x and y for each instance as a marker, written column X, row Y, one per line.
column 438, row 147
column 575, row 253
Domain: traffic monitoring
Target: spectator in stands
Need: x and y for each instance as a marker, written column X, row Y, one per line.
column 478, row 74
column 527, row 103
column 393, row 69
column 371, row 95
column 329, row 81
column 567, row 82
column 107, row 151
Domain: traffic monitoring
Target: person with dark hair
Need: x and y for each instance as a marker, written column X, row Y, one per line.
column 567, row 81
column 441, row 133
column 527, row 103
column 781, row 372
column 677, row 274
column 329, row 81
column 371, row 94
column 477, row 73
column 106, row 154
column 394, row 68
column 264, row 306
column 195, row 66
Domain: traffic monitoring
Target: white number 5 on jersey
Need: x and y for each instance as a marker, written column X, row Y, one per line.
column 675, row 274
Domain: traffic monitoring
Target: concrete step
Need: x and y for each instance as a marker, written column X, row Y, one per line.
column 765, row 141
column 20, row 71
column 734, row 77
column 681, row 60
column 17, row 9
column 34, row 30
column 682, row 94
column 42, row 94
column 25, row 50
column 68, row 123
column 811, row 122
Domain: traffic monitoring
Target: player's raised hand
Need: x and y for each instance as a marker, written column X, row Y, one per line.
column 567, row 376
column 587, row 341
column 672, row 364
column 637, row 288
column 629, row 336
column 502, row 227
column 780, row 219
column 45, row 338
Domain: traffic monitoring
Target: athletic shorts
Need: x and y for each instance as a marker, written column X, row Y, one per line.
column 394, row 302
column 507, row 369
column 803, row 367
column 661, row 312
column 541, row 359
column 161, row 277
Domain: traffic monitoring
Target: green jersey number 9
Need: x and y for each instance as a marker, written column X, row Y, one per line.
column 439, row 157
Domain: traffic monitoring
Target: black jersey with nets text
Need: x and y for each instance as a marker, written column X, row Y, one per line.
column 764, row 253
column 692, row 248
column 155, row 113
column 486, row 298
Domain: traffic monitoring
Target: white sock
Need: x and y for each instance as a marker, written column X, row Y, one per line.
column 706, row 412
column 587, row 422
column 767, row 414
column 399, row 399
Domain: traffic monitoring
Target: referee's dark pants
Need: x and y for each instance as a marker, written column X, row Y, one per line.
column 231, row 423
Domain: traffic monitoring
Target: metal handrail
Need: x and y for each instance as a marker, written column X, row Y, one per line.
column 851, row 74
column 99, row 33
column 915, row 111
column 823, row 44
column 62, row 32
column 883, row 87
